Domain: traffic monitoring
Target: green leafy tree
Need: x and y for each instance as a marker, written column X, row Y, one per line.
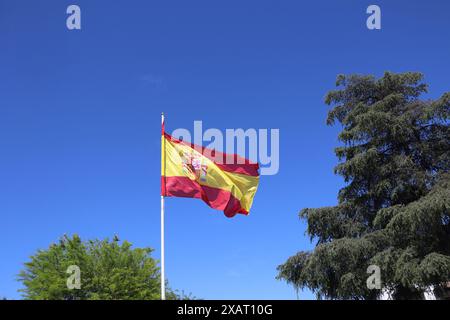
column 394, row 209
column 108, row 270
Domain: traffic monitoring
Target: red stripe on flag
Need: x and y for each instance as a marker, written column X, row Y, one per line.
column 216, row 198
column 240, row 165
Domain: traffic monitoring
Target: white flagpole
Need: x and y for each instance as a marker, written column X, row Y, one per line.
column 163, row 278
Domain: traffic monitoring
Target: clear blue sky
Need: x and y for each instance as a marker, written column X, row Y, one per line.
column 80, row 121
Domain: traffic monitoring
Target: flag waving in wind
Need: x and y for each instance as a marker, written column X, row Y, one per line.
column 192, row 171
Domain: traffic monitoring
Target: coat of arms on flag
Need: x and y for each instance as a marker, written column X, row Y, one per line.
column 193, row 166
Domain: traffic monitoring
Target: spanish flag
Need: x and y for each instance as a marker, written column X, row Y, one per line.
column 225, row 182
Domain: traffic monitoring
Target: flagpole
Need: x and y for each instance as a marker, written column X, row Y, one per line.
column 163, row 278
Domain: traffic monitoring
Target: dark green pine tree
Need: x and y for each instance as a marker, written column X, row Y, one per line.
column 394, row 211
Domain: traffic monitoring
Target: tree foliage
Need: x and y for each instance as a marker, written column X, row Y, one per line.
column 393, row 211
column 109, row 270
